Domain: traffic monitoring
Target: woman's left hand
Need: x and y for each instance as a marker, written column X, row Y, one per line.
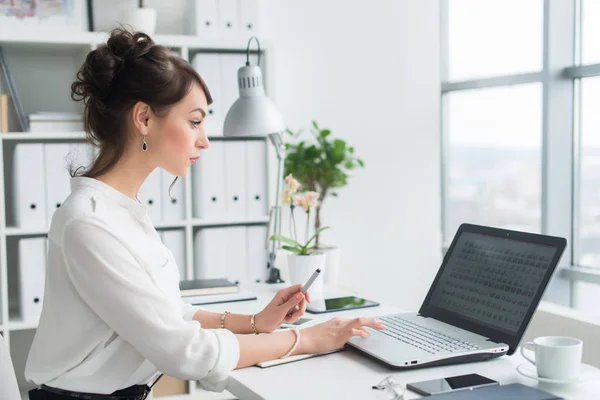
column 276, row 311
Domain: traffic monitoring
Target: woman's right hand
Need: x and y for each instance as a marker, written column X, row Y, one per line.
column 334, row 334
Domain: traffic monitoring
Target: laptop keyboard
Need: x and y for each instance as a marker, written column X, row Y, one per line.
column 423, row 338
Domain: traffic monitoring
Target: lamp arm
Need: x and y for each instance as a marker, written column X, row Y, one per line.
column 277, row 210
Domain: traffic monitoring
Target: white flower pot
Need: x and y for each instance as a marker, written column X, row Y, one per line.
column 140, row 19
column 332, row 265
column 300, row 268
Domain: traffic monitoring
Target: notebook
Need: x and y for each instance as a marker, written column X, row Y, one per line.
column 515, row 391
column 199, row 287
column 242, row 295
column 297, row 357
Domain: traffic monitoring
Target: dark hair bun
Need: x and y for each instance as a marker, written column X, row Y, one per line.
column 103, row 66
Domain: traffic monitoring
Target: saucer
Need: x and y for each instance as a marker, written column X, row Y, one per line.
column 586, row 372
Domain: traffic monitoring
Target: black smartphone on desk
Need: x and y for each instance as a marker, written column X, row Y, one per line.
column 321, row 306
column 451, row 384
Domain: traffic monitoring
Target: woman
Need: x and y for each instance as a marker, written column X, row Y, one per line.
column 113, row 316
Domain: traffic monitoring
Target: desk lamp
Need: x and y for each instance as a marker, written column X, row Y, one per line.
column 254, row 114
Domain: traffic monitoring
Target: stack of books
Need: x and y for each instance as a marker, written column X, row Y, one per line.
column 209, row 291
column 55, row 122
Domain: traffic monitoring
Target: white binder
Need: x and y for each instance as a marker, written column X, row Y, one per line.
column 83, row 154
column 173, row 205
column 210, row 248
column 256, row 179
column 235, row 255
column 150, row 195
column 208, row 183
column 229, row 18
column 235, row 180
column 256, row 253
column 249, row 24
column 29, row 186
column 56, row 176
column 32, row 275
column 209, row 67
column 230, row 64
column 206, row 18
column 174, row 240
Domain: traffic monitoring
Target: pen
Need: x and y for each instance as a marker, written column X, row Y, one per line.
column 307, row 285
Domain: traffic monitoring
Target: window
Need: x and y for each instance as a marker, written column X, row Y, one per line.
column 590, row 31
column 488, row 38
column 494, row 157
column 589, row 181
column 521, row 127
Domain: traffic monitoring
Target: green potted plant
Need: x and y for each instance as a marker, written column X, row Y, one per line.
column 321, row 164
column 302, row 260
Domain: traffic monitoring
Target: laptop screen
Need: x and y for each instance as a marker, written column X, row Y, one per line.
column 492, row 280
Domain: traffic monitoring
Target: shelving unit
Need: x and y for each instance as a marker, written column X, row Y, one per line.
column 30, row 48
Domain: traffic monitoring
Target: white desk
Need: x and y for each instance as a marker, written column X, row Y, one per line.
column 350, row 375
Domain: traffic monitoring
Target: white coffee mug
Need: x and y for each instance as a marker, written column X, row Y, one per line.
column 556, row 357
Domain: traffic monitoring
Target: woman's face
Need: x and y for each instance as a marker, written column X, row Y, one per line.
column 181, row 133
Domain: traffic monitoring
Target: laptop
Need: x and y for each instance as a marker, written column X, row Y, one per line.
column 479, row 305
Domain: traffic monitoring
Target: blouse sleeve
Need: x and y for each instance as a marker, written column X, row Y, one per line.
column 114, row 285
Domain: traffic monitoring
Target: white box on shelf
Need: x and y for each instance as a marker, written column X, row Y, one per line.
column 150, row 195
column 229, row 18
column 174, row 240
column 55, row 122
column 56, row 176
column 208, row 66
column 256, row 179
column 208, row 183
column 257, row 253
column 210, row 249
column 172, row 203
column 29, row 186
column 235, row 180
column 32, row 275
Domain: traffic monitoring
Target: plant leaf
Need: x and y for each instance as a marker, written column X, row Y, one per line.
column 284, row 239
column 324, row 133
column 314, row 123
column 292, row 249
column 315, row 235
column 360, row 162
column 334, row 194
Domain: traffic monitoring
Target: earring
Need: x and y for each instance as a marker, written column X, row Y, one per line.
column 144, row 145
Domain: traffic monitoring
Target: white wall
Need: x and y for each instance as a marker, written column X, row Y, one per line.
column 369, row 71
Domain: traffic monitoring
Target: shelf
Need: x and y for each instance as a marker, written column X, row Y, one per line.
column 33, row 39
column 54, row 136
column 19, row 325
column 16, row 231
column 42, row 136
column 198, row 222
column 171, row 224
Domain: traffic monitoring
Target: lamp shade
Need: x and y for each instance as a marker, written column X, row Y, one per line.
column 253, row 113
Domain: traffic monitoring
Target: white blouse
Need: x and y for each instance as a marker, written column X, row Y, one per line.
column 112, row 313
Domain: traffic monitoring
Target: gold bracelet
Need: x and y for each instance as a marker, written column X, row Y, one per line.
column 223, row 319
column 253, row 324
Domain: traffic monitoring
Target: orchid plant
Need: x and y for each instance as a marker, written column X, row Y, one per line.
column 292, row 197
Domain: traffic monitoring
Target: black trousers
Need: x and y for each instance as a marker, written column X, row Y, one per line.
column 136, row 392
